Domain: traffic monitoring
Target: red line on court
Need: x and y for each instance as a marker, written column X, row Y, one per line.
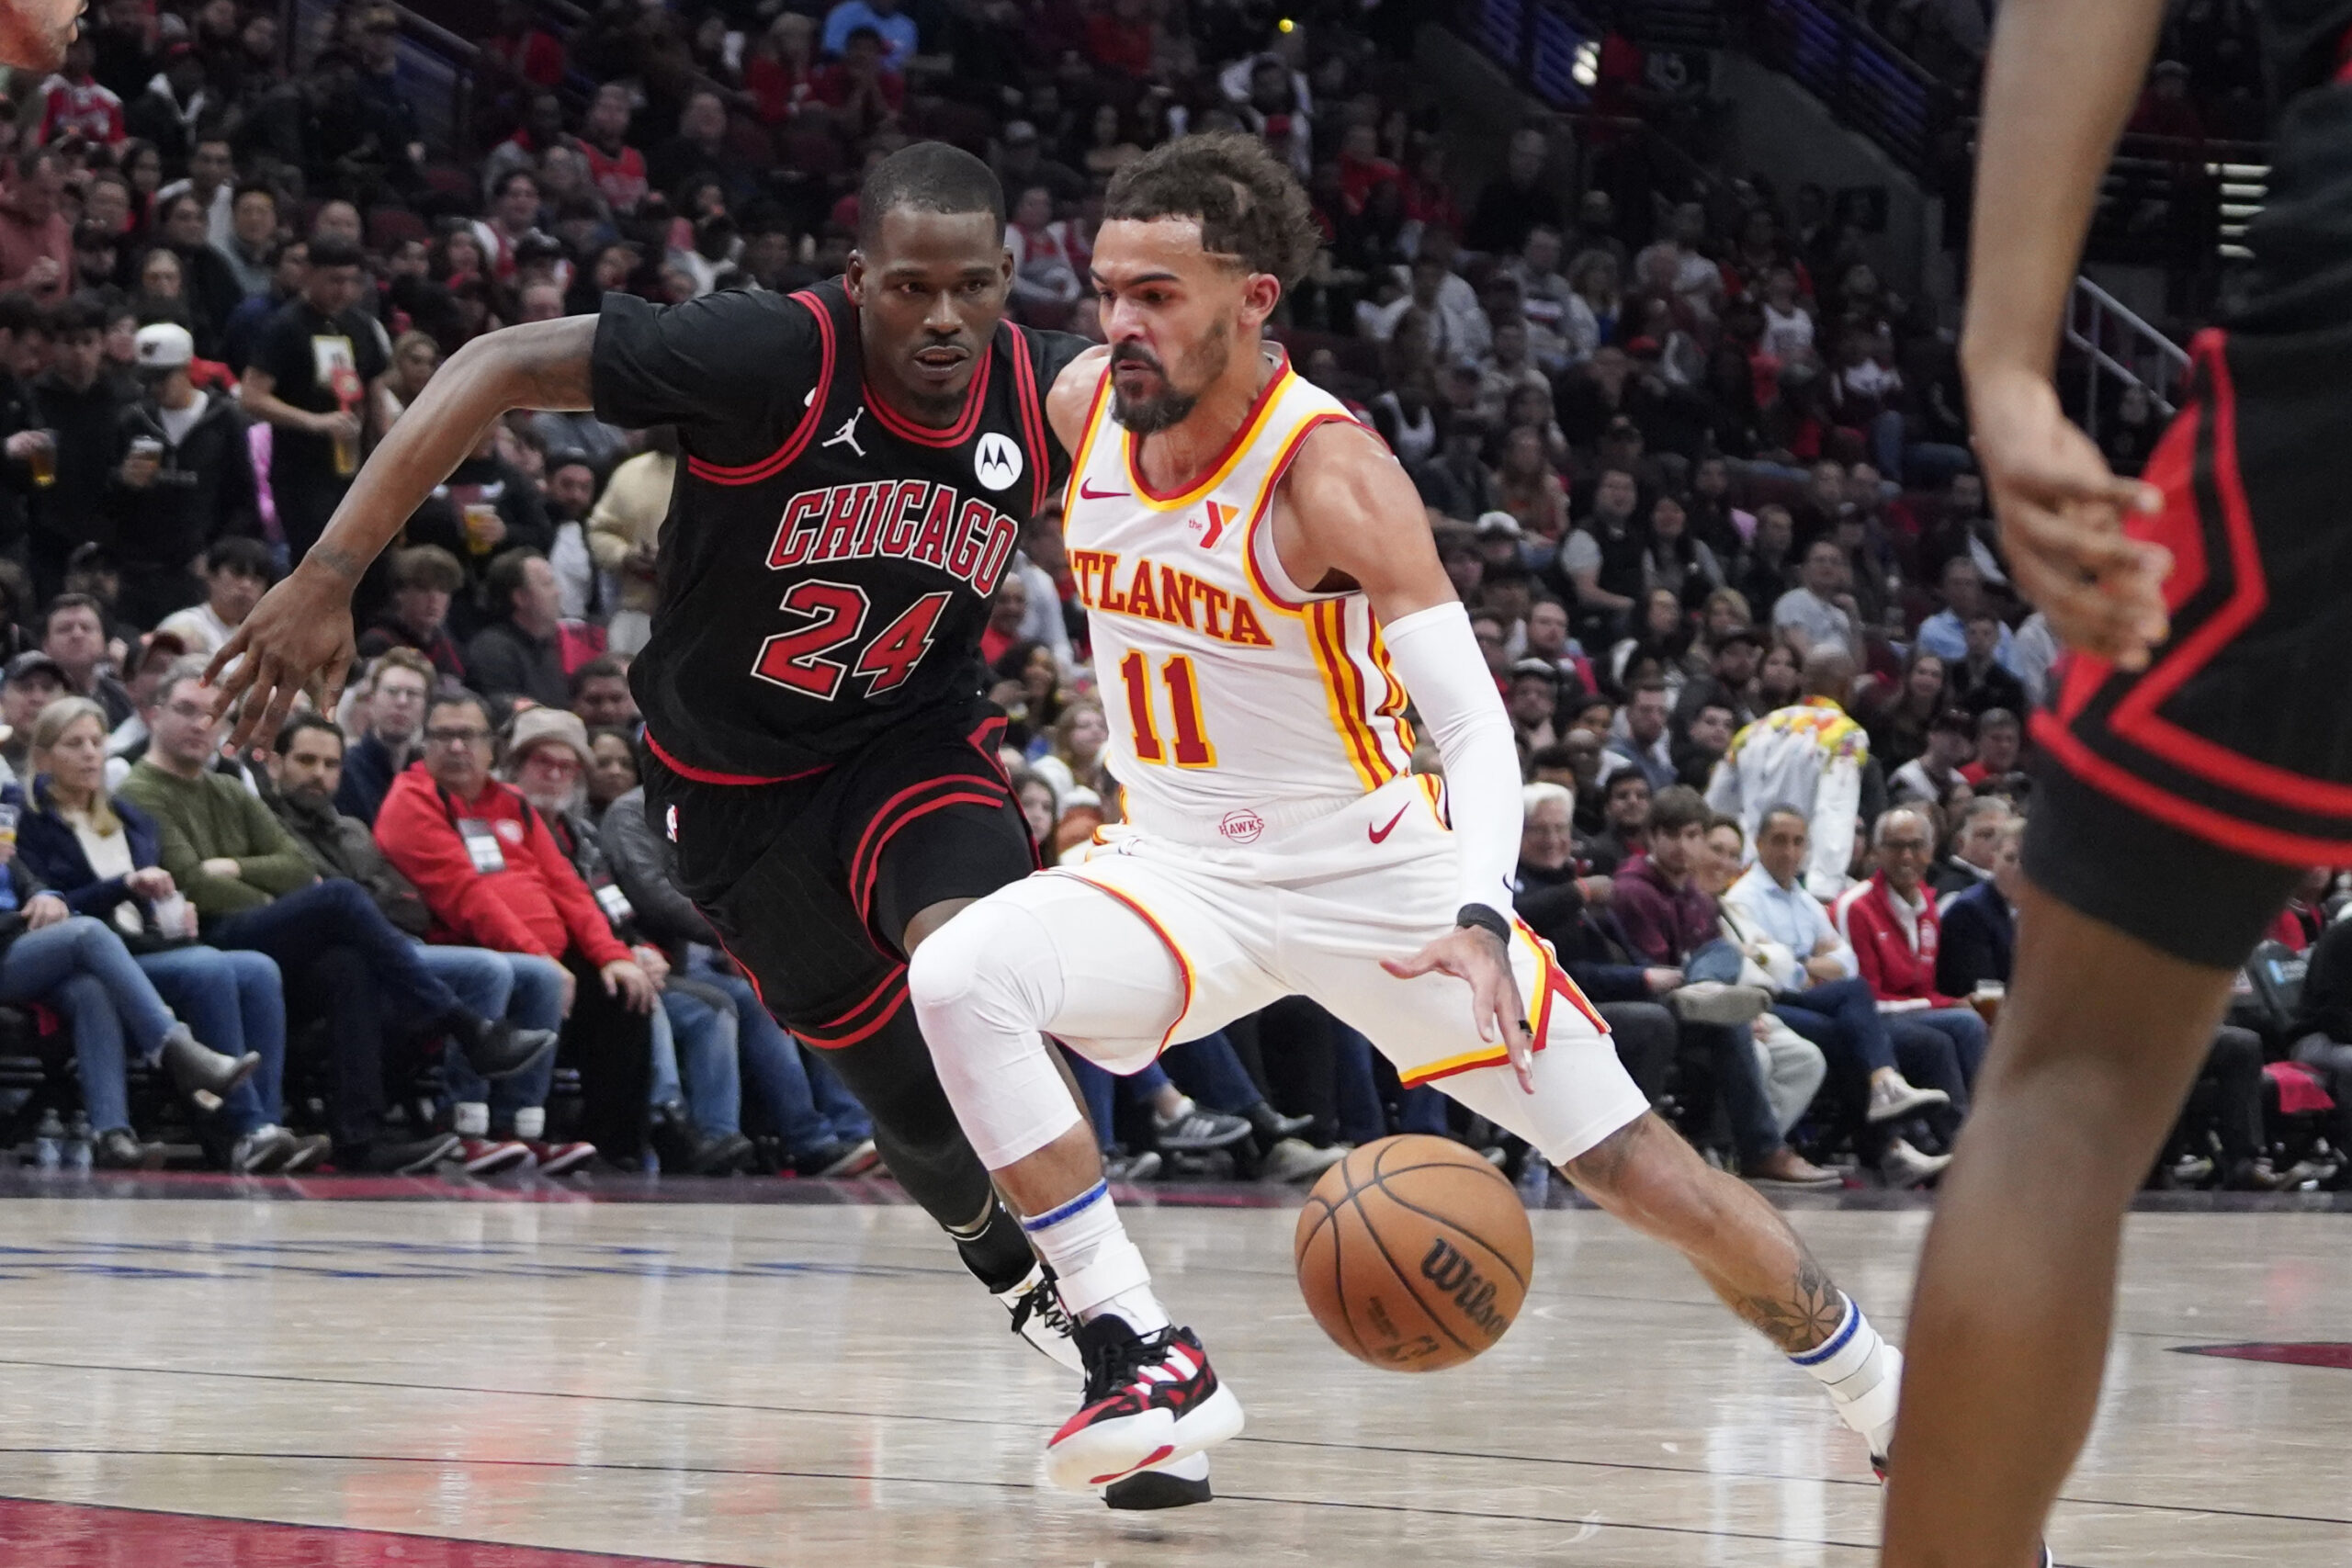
column 75, row 1535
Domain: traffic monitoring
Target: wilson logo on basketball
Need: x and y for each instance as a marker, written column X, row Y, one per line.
column 1472, row 1292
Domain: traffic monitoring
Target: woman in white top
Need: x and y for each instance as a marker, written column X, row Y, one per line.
column 99, row 856
column 1788, row 324
column 1076, row 759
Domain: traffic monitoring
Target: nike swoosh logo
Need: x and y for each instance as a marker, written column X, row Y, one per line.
column 1087, row 493
column 1380, row 835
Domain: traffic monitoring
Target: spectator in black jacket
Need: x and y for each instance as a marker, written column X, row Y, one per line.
column 208, row 287
column 73, row 634
column 80, row 405
column 302, row 774
column 516, row 655
column 183, row 477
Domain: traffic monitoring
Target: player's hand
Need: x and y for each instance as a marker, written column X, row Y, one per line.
column 1478, row 956
column 2061, row 512
column 624, row 980
column 297, row 639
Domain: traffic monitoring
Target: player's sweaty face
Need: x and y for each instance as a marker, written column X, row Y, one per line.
column 929, row 291
column 1169, row 310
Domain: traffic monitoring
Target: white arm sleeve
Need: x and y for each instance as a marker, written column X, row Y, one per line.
column 1438, row 660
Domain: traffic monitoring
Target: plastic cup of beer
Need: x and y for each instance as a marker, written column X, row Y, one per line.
column 482, row 523
column 43, row 460
column 1986, row 999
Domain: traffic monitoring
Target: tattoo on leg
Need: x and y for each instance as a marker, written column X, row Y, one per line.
column 1601, row 1168
column 1804, row 1317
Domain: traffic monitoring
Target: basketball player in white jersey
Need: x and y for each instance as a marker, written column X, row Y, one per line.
column 1263, row 592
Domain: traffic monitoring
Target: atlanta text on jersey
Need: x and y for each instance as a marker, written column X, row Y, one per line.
column 1157, row 593
column 911, row 519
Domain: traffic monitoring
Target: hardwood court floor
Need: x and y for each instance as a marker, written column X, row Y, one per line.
column 806, row 1386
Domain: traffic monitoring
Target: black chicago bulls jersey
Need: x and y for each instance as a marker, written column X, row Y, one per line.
column 826, row 566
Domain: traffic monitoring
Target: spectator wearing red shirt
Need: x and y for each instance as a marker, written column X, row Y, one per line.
column 35, row 240
column 781, row 75
column 864, row 88
column 1119, row 38
column 524, row 48
column 1891, row 923
column 2000, row 738
column 1361, row 168
column 2301, row 922
column 493, row 876
column 1008, row 612
column 72, row 104
column 617, row 169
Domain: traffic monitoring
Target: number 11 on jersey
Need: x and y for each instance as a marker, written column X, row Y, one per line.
column 1192, row 748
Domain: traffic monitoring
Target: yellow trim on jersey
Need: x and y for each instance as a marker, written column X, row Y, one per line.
column 1393, row 706
column 1262, row 506
column 1327, row 635
column 1085, row 448
column 1433, row 790
column 1243, row 440
column 1551, row 983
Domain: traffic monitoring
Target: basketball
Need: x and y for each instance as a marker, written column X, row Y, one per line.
column 1414, row 1254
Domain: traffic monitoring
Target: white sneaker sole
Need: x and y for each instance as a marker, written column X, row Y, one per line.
column 1112, row 1451
column 1919, row 1099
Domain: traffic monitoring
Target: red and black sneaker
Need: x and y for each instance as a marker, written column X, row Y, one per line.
column 1148, row 1400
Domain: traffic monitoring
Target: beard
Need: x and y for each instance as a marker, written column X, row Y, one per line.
column 1168, row 408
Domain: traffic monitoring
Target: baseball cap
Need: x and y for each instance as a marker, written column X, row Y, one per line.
column 538, row 725
column 1536, row 668
column 164, row 345
column 1498, row 525
column 36, row 662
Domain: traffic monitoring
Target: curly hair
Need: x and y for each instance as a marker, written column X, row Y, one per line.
column 1249, row 206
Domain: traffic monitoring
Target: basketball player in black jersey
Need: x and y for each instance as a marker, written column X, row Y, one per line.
column 858, row 459
column 2196, row 753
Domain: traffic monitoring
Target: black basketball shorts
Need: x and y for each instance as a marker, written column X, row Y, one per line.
column 808, row 882
column 2182, row 804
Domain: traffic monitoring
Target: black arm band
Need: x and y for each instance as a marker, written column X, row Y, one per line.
column 1485, row 918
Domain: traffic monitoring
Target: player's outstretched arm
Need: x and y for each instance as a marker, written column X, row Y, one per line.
column 2060, row 84
column 300, row 636
column 1347, row 508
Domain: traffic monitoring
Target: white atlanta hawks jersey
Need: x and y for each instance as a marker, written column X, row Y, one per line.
column 1233, row 696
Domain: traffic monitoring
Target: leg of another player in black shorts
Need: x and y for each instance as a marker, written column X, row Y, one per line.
column 2129, row 937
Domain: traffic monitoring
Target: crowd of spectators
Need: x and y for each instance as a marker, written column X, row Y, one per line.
column 1701, row 474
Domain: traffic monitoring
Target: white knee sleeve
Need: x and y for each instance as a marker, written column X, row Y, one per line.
column 984, row 985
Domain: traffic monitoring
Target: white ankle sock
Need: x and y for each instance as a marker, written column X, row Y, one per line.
column 1863, row 1375
column 1098, row 1269
column 531, row 1123
column 469, row 1119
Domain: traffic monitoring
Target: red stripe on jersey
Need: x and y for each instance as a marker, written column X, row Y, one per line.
column 798, row 442
column 1032, row 417
column 706, row 775
column 976, row 398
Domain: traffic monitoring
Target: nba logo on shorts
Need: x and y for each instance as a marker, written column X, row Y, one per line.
column 997, row 460
column 670, row 822
column 1242, row 827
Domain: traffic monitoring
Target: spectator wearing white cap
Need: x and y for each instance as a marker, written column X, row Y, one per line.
column 181, row 479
